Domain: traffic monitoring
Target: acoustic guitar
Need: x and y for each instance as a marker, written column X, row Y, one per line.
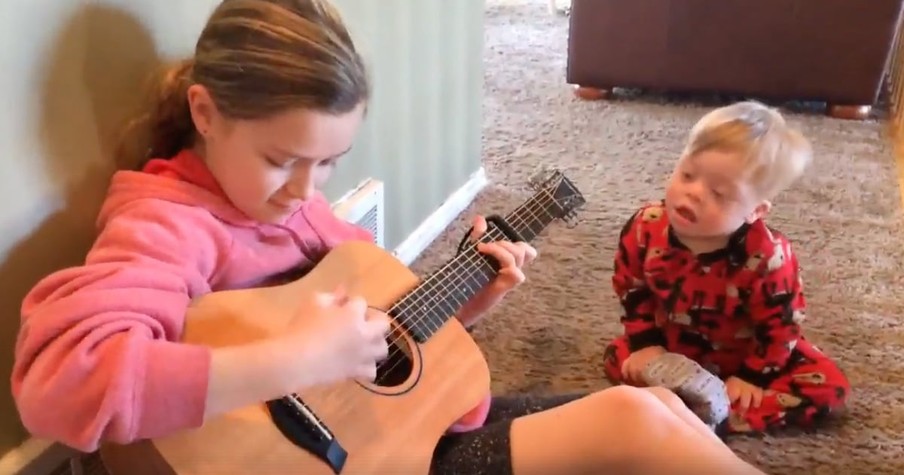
column 435, row 372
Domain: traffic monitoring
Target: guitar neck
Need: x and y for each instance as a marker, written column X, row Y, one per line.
column 441, row 294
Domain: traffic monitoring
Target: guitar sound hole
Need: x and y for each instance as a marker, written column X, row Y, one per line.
column 398, row 365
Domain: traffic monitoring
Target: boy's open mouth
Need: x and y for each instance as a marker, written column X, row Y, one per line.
column 686, row 213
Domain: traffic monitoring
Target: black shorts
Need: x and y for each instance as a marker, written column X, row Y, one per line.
column 487, row 450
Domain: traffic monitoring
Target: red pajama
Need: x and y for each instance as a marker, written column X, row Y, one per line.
column 737, row 311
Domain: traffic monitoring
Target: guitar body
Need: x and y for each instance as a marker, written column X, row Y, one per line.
column 384, row 428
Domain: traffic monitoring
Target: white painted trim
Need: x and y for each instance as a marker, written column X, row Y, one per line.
column 16, row 460
column 440, row 219
column 353, row 205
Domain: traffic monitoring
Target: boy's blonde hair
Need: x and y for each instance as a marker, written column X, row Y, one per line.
column 775, row 155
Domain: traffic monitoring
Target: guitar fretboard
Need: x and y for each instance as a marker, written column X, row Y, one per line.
column 439, row 296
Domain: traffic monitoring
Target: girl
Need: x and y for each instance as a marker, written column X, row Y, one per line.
column 241, row 138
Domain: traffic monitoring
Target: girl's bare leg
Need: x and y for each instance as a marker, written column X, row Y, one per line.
column 680, row 409
column 620, row 430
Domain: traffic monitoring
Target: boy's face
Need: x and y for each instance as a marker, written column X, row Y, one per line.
column 707, row 196
column 269, row 167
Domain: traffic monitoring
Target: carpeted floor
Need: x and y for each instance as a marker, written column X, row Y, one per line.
column 550, row 335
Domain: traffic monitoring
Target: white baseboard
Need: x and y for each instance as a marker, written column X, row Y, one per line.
column 440, row 219
column 28, row 454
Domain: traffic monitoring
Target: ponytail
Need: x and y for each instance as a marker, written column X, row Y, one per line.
column 165, row 127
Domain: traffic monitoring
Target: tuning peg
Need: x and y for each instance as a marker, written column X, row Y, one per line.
column 536, row 179
column 543, row 173
column 571, row 220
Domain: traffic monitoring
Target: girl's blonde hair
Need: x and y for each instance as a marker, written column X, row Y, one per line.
column 256, row 58
column 775, row 155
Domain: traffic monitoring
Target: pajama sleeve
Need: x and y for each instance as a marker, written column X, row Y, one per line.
column 776, row 307
column 636, row 298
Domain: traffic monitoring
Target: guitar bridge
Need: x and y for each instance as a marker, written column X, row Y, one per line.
column 302, row 427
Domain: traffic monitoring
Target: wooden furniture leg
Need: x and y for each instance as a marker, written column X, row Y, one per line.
column 592, row 93
column 848, row 112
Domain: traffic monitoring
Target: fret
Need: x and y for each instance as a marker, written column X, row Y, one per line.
column 439, row 297
column 536, row 219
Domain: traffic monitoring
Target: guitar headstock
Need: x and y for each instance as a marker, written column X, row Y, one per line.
column 561, row 191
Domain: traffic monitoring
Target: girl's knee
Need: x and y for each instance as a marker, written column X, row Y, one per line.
column 630, row 419
column 633, row 410
column 667, row 396
column 624, row 403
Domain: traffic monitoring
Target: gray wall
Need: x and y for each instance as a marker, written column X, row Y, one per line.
column 71, row 70
column 423, row 139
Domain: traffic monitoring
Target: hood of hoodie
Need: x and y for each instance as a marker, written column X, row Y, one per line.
column 182, row 179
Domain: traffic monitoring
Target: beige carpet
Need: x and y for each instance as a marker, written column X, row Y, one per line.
column 550, row 335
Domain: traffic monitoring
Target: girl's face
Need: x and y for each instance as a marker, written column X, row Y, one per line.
column 269, row 167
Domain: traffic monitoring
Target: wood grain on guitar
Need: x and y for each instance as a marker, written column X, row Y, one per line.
column 434, row 375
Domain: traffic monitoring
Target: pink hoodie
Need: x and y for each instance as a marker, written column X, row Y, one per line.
column 98, row 357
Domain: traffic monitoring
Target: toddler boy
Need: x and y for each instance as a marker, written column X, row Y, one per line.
column 700, row 274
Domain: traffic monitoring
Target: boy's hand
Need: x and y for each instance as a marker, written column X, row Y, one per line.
column 633, row 366
column 745, row 394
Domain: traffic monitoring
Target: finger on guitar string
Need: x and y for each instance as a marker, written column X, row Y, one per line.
column 509, row 256
column 530, row 252
column 513, row 275
column 381, row 351
column 378, row 321
column 498, row 252
column 379, row 326
column 376, row 315
column 368, row 372
column 478, row 227
column 523, row 252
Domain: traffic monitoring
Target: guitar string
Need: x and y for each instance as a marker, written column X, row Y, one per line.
column 476, row 263
column 469, row 258
column 472, row 257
